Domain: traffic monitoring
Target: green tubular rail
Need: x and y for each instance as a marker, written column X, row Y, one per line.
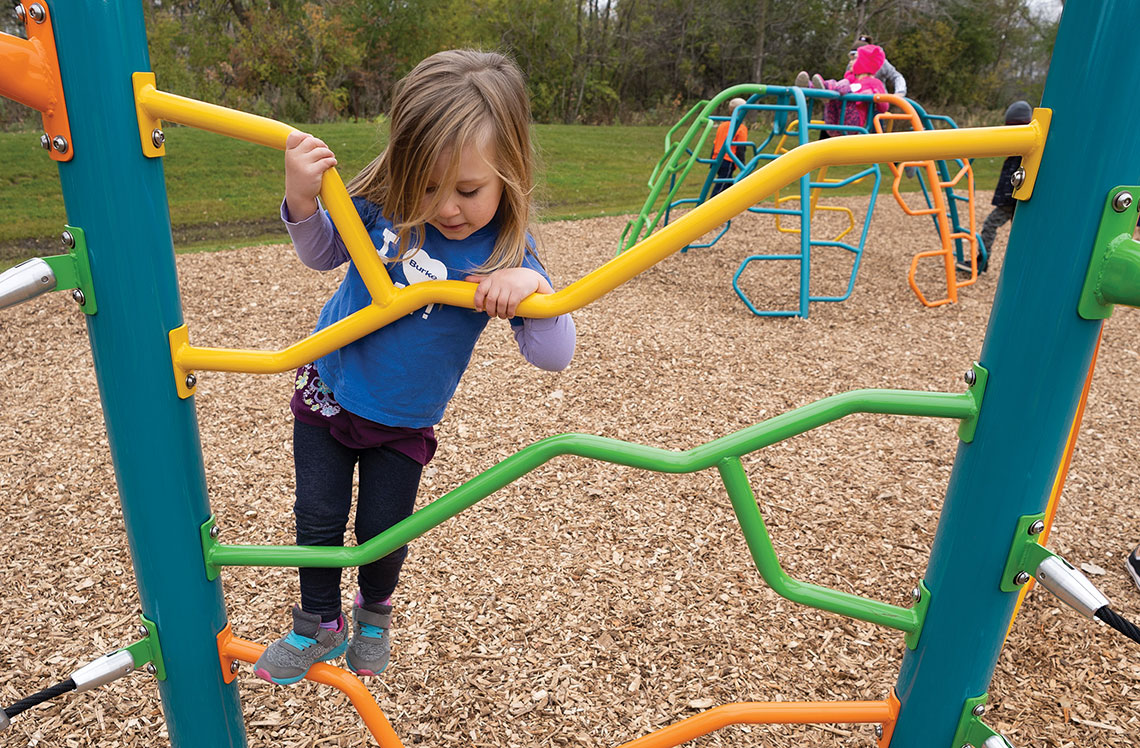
column 678, row 159
column 722, row 453
column 814, row 596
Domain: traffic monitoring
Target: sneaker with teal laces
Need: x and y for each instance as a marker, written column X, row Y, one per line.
column 369, row 649
column 287, row 660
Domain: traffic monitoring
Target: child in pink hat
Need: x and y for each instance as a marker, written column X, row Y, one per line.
column 859, row 79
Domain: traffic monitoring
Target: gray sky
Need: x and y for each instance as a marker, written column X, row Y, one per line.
column 1050, row 8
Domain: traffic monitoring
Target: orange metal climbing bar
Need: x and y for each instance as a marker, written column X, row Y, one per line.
column 31, row 76
column 230, row 648
column 883, row 713
column 939, row 209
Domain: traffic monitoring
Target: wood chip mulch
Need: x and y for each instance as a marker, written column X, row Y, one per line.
column 587, row 604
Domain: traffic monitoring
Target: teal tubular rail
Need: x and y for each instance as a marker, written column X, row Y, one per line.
column 722, row 453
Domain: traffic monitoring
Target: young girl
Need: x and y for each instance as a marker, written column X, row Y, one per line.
column 449, row 198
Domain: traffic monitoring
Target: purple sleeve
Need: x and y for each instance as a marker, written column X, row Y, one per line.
column 546, row 343
column 317, row 243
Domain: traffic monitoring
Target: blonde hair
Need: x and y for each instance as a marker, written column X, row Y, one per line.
column 453, row 99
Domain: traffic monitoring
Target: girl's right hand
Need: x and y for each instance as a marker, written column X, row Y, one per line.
column 307, row 158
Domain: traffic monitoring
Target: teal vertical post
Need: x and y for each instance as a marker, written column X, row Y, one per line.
column 1037, row 350
column 118, row 197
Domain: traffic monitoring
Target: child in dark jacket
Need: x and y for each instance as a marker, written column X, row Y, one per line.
column 1018, row 113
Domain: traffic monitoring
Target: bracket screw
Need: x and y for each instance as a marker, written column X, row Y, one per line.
column 235, row 666
column 158, row 137
column 979, row 710
column 191, row 381
column 37, row 12
column 67, row 239
column 1122, row 201
column 1037, row 528
column 970, row 376
column 78, row 296
column 45, row 142
column 215, row 531
column 21, row 16
column 143, row 631
column 1017, row 178
column 150, row 668
column 916, row 594
column 59, row 143
column 878, row 731
column 1021, row 578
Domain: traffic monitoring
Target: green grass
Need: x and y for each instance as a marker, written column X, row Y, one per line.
column 224, row 192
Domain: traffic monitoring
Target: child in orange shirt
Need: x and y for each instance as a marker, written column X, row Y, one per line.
column 721, row 151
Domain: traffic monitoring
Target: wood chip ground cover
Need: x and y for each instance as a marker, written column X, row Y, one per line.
column 587, row 603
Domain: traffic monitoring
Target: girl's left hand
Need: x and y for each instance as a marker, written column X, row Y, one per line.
column 500, row 292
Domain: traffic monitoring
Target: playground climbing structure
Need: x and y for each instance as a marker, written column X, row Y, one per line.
column 789, row 108
column 1071, row 258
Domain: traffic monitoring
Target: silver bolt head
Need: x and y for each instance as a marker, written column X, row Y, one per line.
column 78, row 296
column 21, row 16
column 1017, row 178
column 235, row 666
column 215, row 531
column 158, row 137
column 191, row 381
column 916, row 593
column 1037, row 528
column 45, row 142
column 1122, row 201
column 150, row 668
column 970, row 376
column 143, row 631
column 59, row 143
column 37, row 12
column 1021, row 578
column 878, row 731
column 68, row 239
column 979, row 710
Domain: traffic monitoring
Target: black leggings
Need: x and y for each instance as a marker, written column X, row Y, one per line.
column 387, row 495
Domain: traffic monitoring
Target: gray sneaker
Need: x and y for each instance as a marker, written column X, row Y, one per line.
column 369, row 649
column 287, row 660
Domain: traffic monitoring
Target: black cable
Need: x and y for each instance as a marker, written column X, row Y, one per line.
column 38, row 698
column 1113, row 619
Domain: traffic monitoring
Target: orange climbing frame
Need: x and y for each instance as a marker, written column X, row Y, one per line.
column 939, row 209
column 31, row 77
column 883, row 713
column 231, row 648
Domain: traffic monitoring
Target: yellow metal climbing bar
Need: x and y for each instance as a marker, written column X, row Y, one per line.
column 152, row 106
column 390, row 303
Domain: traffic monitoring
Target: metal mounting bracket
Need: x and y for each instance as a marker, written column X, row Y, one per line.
column 977, row 391
column 1114, row 268
column 73, row 270
column 1025, row 553
column 147, row 649
column 972, row 732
